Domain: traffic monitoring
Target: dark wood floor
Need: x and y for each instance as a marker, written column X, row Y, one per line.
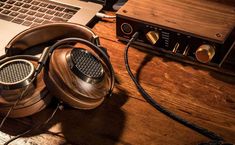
column 203, row 97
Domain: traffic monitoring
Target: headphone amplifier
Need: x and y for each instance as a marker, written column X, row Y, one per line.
column 199, row 32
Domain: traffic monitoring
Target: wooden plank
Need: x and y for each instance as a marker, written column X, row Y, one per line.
column 201, row 18
column 121, row 119
column 117, row 121
column 184, row 89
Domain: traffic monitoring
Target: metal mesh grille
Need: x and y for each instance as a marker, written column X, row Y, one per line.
column 14, row 71
column 87, row 64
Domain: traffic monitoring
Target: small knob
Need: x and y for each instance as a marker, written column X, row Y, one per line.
column 205, row 53
column 152, row 37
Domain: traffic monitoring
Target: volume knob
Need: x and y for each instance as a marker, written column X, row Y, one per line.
column 152, row 37
column 205, row 53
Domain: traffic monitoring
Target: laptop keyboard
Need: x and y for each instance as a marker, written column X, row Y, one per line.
column 35, row 12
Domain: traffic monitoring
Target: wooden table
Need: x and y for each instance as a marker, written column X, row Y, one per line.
column 203, row 97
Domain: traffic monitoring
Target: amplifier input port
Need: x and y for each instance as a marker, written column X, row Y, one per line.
column 205, row 53
column 126, row 28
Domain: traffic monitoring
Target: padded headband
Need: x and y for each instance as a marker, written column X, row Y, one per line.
column 49, row 32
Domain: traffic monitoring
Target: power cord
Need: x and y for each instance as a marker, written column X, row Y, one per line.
column 216, row 139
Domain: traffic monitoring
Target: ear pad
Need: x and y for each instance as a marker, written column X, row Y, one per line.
column 15, row 73
column 78, row 77
column 46, row 33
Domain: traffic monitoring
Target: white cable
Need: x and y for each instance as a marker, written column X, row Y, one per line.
column 102, row 15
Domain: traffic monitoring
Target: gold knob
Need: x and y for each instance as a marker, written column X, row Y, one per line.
column 152, row 37
column 205, row 53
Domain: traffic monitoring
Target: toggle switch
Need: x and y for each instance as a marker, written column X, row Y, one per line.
column 176, row 47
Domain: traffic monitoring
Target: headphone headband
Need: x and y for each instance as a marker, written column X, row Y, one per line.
column 49, row 32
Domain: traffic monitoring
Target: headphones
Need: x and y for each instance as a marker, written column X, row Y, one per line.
column 80, row 77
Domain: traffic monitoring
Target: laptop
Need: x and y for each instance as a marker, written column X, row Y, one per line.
column 18, row 15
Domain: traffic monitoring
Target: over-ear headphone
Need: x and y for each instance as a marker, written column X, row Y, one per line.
column 79, row 77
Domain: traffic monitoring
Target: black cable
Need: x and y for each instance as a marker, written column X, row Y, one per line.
column 36, row 127
column 16, row 102
column 162, row 109
column 41, row 63
column 37, row 71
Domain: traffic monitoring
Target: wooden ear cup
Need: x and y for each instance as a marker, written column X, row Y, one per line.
column 36, row 98
column 79, row 88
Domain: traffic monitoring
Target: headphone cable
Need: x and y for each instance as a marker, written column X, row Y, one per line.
column 218, row 139
column 36, row 127
column 41, row 63
column 16, row 102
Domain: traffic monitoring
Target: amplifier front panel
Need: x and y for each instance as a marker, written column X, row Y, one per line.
column 182, row 45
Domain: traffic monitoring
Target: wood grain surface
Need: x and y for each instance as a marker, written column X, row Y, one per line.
column 203, row 97
column 202, row 18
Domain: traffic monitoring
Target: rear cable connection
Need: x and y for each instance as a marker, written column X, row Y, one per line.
column 102, row 15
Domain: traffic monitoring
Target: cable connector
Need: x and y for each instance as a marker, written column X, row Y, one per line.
column 133, row 38
column 102, row 15
column 61, row 105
